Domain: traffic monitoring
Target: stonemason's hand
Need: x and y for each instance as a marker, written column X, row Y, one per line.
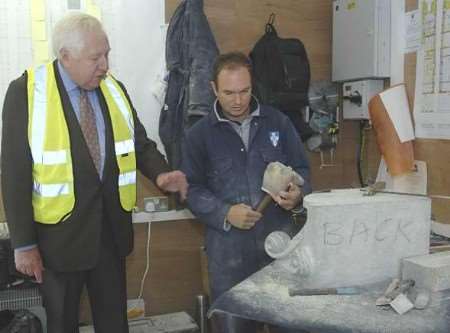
column 174, row 181
column 289, row 199
column 29, row 262
column 242, row 216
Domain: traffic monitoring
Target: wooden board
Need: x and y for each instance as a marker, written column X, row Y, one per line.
column 238, row 24
column 175, row 273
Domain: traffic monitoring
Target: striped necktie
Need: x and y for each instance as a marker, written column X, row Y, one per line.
column 89, row 128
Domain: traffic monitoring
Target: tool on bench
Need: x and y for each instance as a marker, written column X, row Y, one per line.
column 324, row 291
column 277, row 178
column 379, row 187
column 395, row 288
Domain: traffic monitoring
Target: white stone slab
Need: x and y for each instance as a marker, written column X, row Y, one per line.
column 178, row 322
column 430, row 271
column 401, row 304
column 351, row 239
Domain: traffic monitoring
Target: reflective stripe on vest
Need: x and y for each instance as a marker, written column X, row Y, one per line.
column 53, row 196
column 123, row 130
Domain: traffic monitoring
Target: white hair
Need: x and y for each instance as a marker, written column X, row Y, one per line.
column 69, row 32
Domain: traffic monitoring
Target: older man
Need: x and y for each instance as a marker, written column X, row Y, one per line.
column 225, row 156
column 71, row 145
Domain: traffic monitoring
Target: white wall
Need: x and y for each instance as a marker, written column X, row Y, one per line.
column 15, row 42
column 137, row 41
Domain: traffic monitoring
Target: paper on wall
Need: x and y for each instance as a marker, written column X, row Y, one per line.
column 40, row 52
column 396, row 103
column 432, row 94
column 38, row 10
column 413, row 30
column 93, row 10
column 39, row 30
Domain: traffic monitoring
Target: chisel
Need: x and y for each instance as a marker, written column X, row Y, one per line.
column 324, row 291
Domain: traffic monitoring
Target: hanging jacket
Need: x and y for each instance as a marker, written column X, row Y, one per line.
column 190, row 54
column 53, row 196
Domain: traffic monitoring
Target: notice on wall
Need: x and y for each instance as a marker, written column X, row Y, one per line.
column 413, row 31
column 432, row 102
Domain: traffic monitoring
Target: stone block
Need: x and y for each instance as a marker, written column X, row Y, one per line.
column 401, row 304
column 351, row 239
column 430, row 271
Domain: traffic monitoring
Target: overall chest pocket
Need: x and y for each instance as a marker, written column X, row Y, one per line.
column 220, row 175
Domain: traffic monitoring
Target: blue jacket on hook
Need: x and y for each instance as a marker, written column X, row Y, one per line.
column 190, row 54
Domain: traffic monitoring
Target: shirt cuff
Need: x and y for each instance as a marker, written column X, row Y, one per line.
column 298, row 210
column 226, row 225
column 25, row 248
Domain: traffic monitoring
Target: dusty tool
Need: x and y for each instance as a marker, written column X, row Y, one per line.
column 277, row 178
column 379, row 187
column 324, row 291
column 395, row 288
column 374, row 188
column 422, row 300
column 401, row 304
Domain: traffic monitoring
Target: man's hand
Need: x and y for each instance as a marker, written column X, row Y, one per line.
column 29, row 262
column 242, row 216
column 174, row 181
column 290, row 198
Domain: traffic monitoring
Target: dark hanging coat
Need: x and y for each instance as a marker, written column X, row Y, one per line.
column 190, row 54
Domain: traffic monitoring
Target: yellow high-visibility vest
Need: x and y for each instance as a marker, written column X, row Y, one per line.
column 53, row 195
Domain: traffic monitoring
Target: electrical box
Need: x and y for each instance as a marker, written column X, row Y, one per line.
column 156, row 204
column 356, row 96
column 361, row 39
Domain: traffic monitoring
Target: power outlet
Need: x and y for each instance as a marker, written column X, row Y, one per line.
column 135, row 308
column 156, row 204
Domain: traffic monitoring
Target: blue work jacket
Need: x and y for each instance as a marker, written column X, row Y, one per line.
column 221, row 172
column 190, row 54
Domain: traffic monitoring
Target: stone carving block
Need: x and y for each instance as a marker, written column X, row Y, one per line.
column 351, row 239
column 430, row 271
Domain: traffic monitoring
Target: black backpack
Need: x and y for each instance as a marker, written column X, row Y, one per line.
column 19, row 321
column 8, row 272
column 282, row 75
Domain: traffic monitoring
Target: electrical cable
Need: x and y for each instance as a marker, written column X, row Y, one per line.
column 138, row 310
column 359, row 153
column 147, row 260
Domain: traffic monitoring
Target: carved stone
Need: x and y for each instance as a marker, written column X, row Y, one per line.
column 352, row 239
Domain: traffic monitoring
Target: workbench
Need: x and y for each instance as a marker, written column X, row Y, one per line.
column 264, row 297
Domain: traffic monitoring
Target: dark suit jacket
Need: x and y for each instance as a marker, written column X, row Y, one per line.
column 72, row 244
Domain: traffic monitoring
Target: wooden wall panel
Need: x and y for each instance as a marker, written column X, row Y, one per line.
column 175, row 275
column 238, row 24
column 175, row 272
